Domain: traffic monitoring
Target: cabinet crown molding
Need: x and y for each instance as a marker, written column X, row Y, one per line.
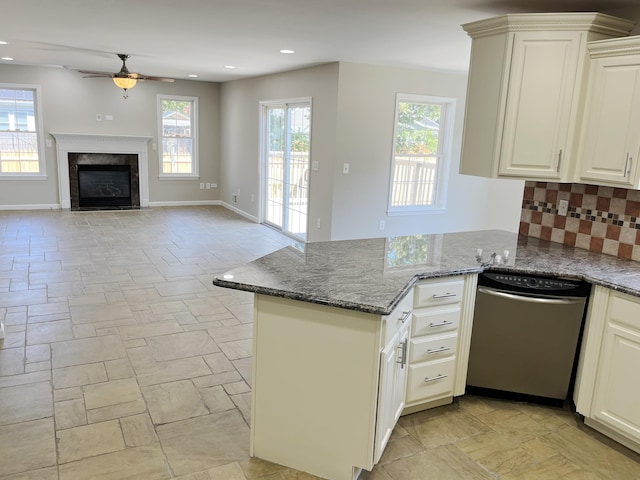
column 528, row 22
column 614, row 46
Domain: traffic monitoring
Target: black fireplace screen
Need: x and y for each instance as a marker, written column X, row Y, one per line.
column 104, row 185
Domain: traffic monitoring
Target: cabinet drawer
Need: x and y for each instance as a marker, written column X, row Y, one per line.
column 438, row 292
column 435, row 320
column 432, row 347
column 395, row 320
column 430, row 380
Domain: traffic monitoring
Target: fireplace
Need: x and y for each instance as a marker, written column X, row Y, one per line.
column 75, row 149
column 103, row 181
column 104, row 186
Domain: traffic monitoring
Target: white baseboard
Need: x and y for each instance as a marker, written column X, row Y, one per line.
column 35, row 206
column 185, row 203
column 239, row 212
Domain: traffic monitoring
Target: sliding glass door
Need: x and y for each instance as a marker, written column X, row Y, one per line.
column 286, row 144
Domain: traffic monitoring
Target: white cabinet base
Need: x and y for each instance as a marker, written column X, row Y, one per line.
column 428, row 405
column 611, row 433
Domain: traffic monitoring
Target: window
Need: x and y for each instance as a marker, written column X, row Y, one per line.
column 421, row 151
column 21, row 154
column 178, row 128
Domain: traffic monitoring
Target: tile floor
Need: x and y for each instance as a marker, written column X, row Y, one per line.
column 122, row 361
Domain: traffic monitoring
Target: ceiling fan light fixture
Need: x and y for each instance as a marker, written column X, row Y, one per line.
column 125, row 82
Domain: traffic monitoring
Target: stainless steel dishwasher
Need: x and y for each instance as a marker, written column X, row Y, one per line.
column 525, row 336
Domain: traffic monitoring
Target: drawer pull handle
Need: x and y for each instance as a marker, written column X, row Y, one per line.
column 444, row 295
column 404, row 316
column 441, row 324
column 438, row 350
column 433, row 379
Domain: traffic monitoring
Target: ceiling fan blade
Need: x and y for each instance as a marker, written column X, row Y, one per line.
column 97, row 76
column 157, row 79
column 92, row 72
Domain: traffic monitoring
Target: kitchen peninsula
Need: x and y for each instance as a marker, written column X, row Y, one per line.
column 332, row 318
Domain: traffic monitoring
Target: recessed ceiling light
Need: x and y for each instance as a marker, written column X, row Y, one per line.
column 231, row 67
column 287, row 51
column 192, row 75
column 7, row 58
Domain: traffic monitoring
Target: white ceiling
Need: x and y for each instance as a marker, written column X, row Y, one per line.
column 175, row 38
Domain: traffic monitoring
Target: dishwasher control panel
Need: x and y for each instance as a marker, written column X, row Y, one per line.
column 511, row 281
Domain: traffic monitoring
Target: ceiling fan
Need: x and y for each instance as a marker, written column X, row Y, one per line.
column 123, row 79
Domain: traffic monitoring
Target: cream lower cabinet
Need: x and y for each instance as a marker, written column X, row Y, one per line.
column 610, row 143
column 440, row 340
column 328, row 384
column 608, row 389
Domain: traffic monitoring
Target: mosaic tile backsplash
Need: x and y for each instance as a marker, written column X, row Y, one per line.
column 600, row 219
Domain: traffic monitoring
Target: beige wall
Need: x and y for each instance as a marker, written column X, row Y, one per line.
column 366, row 105
column 240, row 119
column 352, row 122
column 70, row 104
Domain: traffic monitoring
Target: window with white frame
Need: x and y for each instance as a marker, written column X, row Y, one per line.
column 21, row 138
column 421, row 153
column 178, row 131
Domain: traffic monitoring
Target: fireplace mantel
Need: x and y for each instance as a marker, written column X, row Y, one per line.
column 97, row 143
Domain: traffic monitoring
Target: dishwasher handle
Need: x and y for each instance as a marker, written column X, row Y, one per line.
column 530, row 299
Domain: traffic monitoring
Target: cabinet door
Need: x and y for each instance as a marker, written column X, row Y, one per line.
column 391, row 393
column 618, row 385
column 539, row 106
column 611, row 136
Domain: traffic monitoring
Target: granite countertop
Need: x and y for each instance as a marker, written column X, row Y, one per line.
column 372, row 275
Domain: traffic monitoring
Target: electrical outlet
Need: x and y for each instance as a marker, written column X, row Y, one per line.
column 318, row 223
column 345, row 168
column 382, row 224
column 99, row 117
column 202, row 186
column 234, row 198
column 207, row 186
column 563, row 207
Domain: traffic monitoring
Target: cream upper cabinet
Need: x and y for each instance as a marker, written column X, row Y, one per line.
column 610, row 143
column 525, row 93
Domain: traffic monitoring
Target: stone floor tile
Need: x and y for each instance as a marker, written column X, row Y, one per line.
column 137, row 463
column 89, row 440
column 237, row 387
column 22, row 403
column 111, row 393
column 243, row 402
column 48, row 309
column 216, row 399
column 205, row 442
column 179, row 287
column 237, row 349
column 170, row 402
column 163, row 372
column 182, row 345
column 217, row 379
column 169, row 306
column 218, row 362
column 27, row 446
column 68, row 394
column 11, row 361
column 49, row 473
column 245, row 367
column 86, row 350
column 107, row 313
column 118, row 369
column 70, row 413
column 37, row 366
column 132, row 332
column 33, row 377
column 138, row 430
column 205, row 306
column 230, row 471
column 78, row 375
column 38, row 353
column 48, row 332
column 118, row 410
column 235, row 332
